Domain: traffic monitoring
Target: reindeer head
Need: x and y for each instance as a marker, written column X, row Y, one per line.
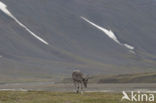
column 85, row 81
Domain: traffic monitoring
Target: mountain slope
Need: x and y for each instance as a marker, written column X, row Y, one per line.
column 73, row 42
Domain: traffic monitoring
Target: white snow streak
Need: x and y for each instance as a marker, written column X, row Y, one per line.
column 129, row 46
column 0, row 56
column 3, row 8
column 20, row 89
column 110, row 34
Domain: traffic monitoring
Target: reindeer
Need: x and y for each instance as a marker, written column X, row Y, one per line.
column 79, row 80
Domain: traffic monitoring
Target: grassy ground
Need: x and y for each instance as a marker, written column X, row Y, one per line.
column 58, row 97
column 55, row 97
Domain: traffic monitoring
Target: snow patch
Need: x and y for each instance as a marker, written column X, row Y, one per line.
column 20, row 89
column 129, row 46
column 3, row 8
column 110, row 34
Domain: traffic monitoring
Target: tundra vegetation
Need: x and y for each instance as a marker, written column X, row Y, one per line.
column 60, row 97
column 57, row 97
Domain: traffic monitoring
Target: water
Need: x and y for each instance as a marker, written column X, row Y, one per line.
column 60, row 87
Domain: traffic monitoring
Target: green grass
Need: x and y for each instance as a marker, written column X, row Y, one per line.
column 57, row 97
column 60, row 97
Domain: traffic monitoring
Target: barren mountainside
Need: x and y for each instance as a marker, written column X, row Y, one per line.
column 48, row 38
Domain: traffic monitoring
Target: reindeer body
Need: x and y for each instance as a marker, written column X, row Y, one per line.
column 79, row 80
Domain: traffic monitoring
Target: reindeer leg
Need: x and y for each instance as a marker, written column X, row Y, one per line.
column 74, row 86
column 78, row 87
column 81, row 88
